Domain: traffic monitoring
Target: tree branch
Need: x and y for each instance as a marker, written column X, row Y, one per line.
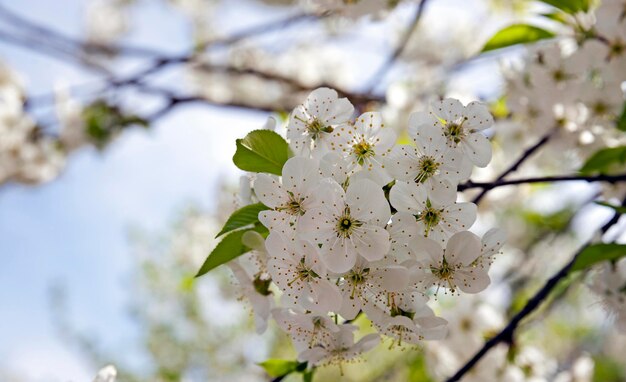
column 506, row 335
column 513, row 167
column 386, row 66
column 486, row 186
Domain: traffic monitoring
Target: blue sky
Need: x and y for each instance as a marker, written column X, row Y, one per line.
column 73, row 230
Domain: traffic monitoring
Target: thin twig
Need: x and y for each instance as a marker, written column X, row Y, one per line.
column 387, row 65
column 163, row 62
column 486, row 186
column 513, row 167
column 506, row 335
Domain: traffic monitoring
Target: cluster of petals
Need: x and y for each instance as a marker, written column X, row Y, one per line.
column 360, row 225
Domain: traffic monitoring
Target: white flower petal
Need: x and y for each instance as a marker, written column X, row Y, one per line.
column 492, row 241
column 449, row 109
column 472, row 280
column 338, row 257
column 408, row 197
column 367, row 202
column 426, row 251
column 422, row 120
column 269, row 191
column 463, row 248
column 478, row 148
column 392, row 278
column 300, row 175
column 371, row 242
column 458, row 217
column 478, row 116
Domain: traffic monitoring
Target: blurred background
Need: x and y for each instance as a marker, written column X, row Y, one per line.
column 132, row 108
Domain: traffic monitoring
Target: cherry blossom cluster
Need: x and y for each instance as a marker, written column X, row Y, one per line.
column 609, row 284
column 359, row 224
column 575, row 87
column 26, row 155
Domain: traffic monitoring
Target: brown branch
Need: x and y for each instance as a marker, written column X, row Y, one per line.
column 388, row 64
column 486, row 186
column 513, row 167
column 506, row 335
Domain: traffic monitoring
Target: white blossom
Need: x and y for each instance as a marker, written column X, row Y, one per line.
column 291, row 198
column 453, row 267
column 348, row 224
column 430, row 160
column 297, row 270
column 461, row 125
column 340, row 348
column 438, row 217
column 306, row 330
column 369, row 285
column 312, row 123
column 365, row 144
column 609, row 283
column 106, row 374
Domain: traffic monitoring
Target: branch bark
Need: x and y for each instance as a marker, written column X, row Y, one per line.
column 386, row 66
column 486, row 186
column 506, row 335
column 515, row 166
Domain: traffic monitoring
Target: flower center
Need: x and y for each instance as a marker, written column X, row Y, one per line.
column 362, row 151
column 304, row 273
column 454, row 131
column 397, row 311
column 293, row 205
column 444, row 272
column 430, row 216
column 356, row 278
column 262, row 284
column 427, row 167
column 346, row 224
column 317, row 127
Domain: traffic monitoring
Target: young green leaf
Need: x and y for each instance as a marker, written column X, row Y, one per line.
column 307, row 376
column 243, row 217
column 569, row 6
column 620, row 209
column 596, row 253
column 516, row 34
column 605, row 161
column 229, row 248
column 558, row 16
column 262, row 151
column 279, row 367
column 621, row 121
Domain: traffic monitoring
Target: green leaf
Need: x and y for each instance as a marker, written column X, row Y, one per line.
column 620, row 209
column 229, row 248
column 279, row 367
column 516, row 34
column 307, row 376
column 596, row 253
column 243, row 217
column 558, row 16
column 262, row 151
column 605, row 161
column 621, row 121
column 569, row 6
column 104, row 121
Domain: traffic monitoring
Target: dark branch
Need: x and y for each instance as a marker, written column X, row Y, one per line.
column 512, row 168
column 506, row 335
column 386, row 66
column 486, row 186
column 165, row 61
